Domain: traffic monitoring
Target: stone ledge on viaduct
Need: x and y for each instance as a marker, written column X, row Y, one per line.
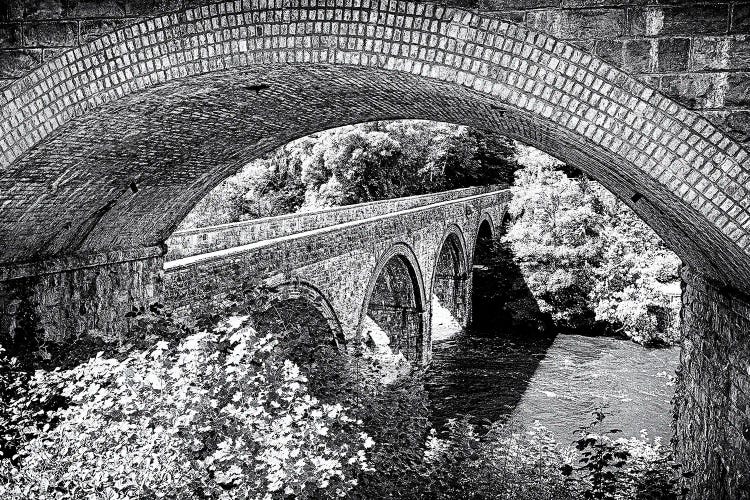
column 210, row 239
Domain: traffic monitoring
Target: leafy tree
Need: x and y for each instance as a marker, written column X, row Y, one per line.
column 359, row 163
column 555, row 237
column 588, row 258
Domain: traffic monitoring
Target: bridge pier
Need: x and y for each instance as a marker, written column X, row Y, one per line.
column 61, row 300
column 712, row 402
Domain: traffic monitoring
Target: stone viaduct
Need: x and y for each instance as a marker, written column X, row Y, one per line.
column 117, row 116
column 384, row 260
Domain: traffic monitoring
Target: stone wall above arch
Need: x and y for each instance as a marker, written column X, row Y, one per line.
column 109, row 145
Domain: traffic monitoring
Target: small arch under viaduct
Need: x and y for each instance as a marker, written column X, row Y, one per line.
column 109, row 142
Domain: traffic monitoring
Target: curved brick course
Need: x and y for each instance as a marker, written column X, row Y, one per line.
column 109, row 145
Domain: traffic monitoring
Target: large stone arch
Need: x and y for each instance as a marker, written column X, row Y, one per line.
column 403, row 254
column 108, row 146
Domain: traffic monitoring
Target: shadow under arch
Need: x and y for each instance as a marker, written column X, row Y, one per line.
column 449, row 287
column 302, row 291
column 395, row 302
column 483, row 241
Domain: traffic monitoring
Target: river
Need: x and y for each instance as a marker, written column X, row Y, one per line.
column 558, row 381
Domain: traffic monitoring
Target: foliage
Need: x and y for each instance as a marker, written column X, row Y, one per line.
column 555, row 236
column 623, row 469
column 587, row 257
column 359, row 163
column 218, row 414
column 506, row 463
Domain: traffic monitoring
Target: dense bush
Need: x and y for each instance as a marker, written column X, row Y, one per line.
column 218, row 414
column 222, row 413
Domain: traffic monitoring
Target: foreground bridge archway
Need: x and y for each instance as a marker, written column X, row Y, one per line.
column 112, row 143
column 104, row 149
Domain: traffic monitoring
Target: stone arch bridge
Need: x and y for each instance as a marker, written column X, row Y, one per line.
column 382, row 260
column 117, row 117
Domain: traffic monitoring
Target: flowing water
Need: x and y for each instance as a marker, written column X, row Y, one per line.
column 558, row 381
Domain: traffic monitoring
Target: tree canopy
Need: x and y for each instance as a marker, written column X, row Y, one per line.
column 359, row 163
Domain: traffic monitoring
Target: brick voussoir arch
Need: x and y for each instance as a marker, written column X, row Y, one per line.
column 522, row 70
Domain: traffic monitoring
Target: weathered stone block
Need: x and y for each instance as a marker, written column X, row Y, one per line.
column 51, row 34
column 94, row 8
column 738, row 53
column 43, row 9
column 11, row 10
column 673, row 54
column 709, row 53
column 16, row 63
column 741, row 18
column 146, row 7
column 637, row 56
column 690, row 20
column 10, row 35
column 610, row 50
column 695, row 90
column 738, row 90
column 591, row 23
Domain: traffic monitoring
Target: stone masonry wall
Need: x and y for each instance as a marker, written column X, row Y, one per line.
column 210, row 239
column 90, row 299
column 695, row 51
column 712, row 404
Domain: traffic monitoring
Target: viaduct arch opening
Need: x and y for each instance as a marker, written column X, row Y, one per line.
column 395, row 305
column 450, row 281
column 482, row 294
column 104, row 149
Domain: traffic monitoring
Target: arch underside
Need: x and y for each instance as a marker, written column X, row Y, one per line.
column 126, row 175
column 395, row 306
column 450, row 278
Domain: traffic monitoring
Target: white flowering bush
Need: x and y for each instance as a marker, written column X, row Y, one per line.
column 218, row 414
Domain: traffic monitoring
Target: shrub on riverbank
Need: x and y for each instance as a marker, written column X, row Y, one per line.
column 218, row 414
column 588, row 259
